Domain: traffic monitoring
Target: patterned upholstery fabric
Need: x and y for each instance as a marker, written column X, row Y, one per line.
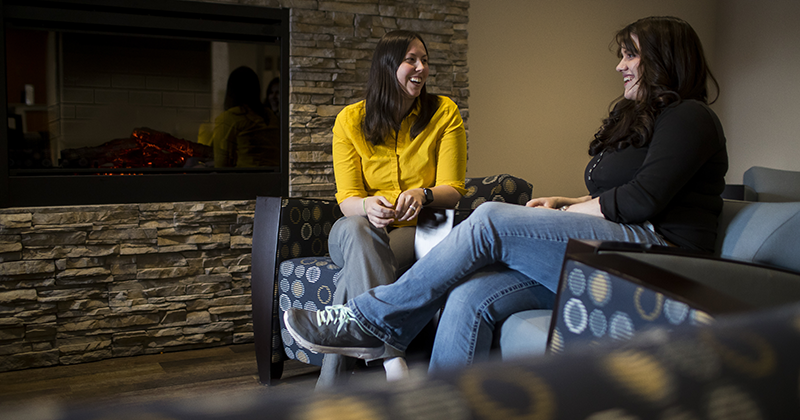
column 306, row 276
column 504, row 188
column 308, row 283
column 305, row 283
column 594, row 305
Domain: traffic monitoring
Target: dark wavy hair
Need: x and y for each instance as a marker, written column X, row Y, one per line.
column 244, row 89
column 672, row 68
column 384, row 95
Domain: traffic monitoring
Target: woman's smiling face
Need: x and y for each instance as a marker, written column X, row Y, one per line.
column 629, row 67
column 413, row 71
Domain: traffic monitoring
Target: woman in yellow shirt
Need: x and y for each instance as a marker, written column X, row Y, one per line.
column 394, row 152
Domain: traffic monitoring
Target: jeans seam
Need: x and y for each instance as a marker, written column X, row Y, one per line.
column 482, row 308
column 528, row 235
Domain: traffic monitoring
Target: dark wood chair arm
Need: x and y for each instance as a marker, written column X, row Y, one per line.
column 717, row 284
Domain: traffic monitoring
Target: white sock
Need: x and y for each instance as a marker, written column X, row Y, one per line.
column 396, row 368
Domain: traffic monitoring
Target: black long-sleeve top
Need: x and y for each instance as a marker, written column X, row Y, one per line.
column 674, row 182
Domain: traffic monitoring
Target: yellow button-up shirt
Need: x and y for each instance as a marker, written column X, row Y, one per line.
column 241, row 138
column 437, row 156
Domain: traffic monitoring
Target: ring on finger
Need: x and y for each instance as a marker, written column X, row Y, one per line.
column 412, row 208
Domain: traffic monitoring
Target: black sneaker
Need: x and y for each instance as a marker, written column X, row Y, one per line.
column 333, row 330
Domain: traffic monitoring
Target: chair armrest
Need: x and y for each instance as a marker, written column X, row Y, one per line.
column 733, row 192
column 757, row 285
column 739, row 192
column 266, row 227
column 754, row 285
column 594, row 246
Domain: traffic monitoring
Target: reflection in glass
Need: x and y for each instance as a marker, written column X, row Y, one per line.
column 96, row 103
column 246, row 134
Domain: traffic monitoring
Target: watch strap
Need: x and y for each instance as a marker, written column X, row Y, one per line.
column 428, row 196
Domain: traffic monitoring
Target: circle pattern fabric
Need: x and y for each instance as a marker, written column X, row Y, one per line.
column 502, row 188
column 305, row 283
column 595, row 305
column 576, row 282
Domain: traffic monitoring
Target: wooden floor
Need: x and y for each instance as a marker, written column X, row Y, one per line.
column 147, row 379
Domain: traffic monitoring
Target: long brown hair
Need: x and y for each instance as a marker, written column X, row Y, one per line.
column 672, row 68
column 244, row 90
column 384, row 93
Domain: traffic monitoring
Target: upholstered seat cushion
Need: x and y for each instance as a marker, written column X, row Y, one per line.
column 763, row 233
column 306, row 283
column 524, row 334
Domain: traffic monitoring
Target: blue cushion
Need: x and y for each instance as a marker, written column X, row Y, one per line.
column 524, row 334
column 764, row 233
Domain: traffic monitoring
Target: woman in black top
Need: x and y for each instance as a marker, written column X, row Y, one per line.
column 656, row 174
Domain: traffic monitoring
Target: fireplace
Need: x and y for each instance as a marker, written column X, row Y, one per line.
column 120, row 102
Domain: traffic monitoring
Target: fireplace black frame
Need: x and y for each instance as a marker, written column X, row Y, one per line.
column 171, row 18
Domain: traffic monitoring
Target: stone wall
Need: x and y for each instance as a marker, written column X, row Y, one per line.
column 86, row 283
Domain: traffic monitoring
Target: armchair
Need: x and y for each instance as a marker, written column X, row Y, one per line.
column 294, row 231
column 291, row 267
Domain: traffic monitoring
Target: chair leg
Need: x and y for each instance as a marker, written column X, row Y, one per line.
column 276, row 370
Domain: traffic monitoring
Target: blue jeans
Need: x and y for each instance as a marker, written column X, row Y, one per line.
column 495, row 263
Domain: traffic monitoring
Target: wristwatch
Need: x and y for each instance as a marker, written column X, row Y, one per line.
column 428, row 196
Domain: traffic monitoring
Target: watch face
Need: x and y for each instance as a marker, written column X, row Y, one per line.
column 428, row 195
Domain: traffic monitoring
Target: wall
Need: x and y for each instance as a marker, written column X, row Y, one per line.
column 542, row 78
column 758, row 62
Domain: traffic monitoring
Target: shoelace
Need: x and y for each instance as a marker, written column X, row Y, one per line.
column 340, row 315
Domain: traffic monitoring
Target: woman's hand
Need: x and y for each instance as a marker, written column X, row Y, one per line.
column 585, row 204
column 379, row 211
column 552, row 202
column 409, row 204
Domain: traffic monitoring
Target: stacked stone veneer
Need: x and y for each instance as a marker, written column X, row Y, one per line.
column 86, row 283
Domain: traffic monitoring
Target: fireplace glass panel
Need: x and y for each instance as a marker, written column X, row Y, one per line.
column 92, row 103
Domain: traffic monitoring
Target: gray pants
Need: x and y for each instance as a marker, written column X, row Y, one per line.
column 369, row 257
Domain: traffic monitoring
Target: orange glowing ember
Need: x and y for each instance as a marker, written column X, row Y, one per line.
column 145, row 148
